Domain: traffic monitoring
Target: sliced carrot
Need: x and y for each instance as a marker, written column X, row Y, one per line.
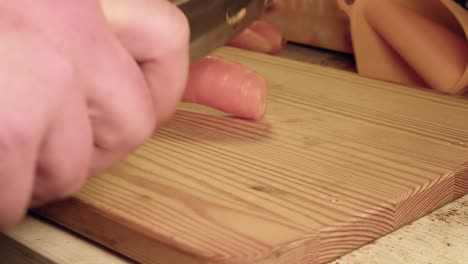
column 271, row 33
column 261, row 37
column 228, row 87
column 251, row 40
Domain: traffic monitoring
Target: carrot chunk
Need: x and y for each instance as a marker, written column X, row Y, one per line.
column 228, row 87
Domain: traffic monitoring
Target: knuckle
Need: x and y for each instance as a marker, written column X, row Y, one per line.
column 182, row 27
column 56, row 187
column 58, row 71
column 71, row 181
column 11, row 210
column 130, row 129
column 10, row 216
column 135, row 136
column 173, row 27
column 60, row 179
column 15, row 135
column 71, row 184
column 74, row 178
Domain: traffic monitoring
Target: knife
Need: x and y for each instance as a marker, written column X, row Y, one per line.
column 213, row 23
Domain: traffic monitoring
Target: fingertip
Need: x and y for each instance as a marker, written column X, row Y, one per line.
column 14, row 199
column 11, row 215
column 161, row 46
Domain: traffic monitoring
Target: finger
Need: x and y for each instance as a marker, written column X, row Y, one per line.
column 260, row 37
column 23, row 122
column 66, row 153
column 120, row 109
column 18, row 148
column 119, row 106
column 118, row 99
column 228, row 87
column 156, row 33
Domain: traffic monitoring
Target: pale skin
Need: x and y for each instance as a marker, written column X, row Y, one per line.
column 85, row 82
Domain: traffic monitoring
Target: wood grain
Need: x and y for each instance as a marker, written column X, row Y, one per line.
column 439, row 237
column 35, row 241
column 339, row 161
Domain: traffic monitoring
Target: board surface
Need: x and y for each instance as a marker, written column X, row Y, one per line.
column 338, row 161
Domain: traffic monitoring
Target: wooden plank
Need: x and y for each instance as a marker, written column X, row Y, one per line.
column 339, row 161
column 436, row 238
column 439, row 237
column 39, row 242
column 461, row 181
column 12, row 252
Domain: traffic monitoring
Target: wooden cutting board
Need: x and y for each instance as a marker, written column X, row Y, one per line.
column 339, row 161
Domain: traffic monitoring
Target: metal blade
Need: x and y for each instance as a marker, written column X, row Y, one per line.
column 213, row 23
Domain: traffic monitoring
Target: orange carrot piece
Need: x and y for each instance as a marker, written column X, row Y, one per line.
column 271, row 33
column 228, row 87
column 260, row 37
column 251, row 40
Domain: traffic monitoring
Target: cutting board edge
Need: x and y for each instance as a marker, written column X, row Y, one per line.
column 457, row 182
column 64, row 213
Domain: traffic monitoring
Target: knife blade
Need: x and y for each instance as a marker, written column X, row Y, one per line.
column 213, row 23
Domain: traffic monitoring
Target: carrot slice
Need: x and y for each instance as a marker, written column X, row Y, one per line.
column 271, row 33
column 260, row 37
column 228, row 87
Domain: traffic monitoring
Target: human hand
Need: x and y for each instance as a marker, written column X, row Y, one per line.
column 78, row 95
column 74, row 99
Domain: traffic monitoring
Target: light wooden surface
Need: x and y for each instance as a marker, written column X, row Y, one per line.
column 438, row 238
column 339, row 161
column 36, row 239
